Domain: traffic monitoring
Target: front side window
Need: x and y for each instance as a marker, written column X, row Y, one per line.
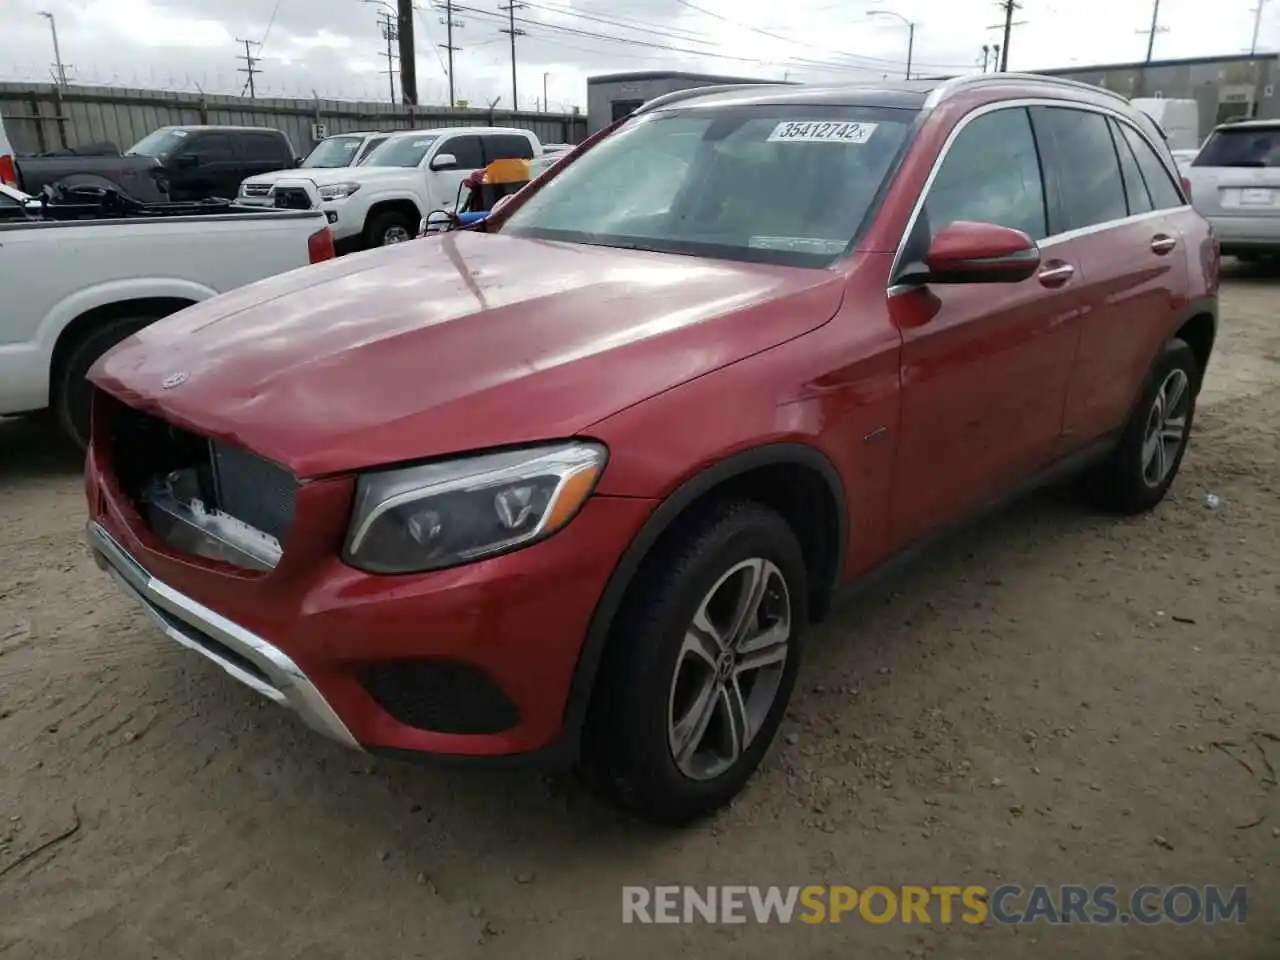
column 400, row 152
column 160, row 144
column 787, row 184
column 210, row 147
column 1165, row 195
column 991, row 174
column 1087, row 166
column 466, row 151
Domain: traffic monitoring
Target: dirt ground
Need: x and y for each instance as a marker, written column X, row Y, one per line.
column 1035, row 702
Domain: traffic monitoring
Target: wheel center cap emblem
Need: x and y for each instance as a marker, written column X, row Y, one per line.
column 174, row 380
column 725, row 664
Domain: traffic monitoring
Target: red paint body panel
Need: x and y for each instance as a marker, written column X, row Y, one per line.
column 926, row 401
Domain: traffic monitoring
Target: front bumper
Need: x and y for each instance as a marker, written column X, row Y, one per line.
column 394, row 664
column 245, row 656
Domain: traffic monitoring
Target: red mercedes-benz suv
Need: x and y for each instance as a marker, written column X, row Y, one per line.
column 569, row 485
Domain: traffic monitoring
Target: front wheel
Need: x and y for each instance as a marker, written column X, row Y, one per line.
column 72, row 393
column 699, row 672
column 1139, row 471
column 390, row 228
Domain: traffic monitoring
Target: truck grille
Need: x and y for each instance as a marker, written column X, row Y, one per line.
column 257, row 189
column 224, row 477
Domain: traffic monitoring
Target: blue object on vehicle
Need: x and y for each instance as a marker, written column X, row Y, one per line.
column 467, row 219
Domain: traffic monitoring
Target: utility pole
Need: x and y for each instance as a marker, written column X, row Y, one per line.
column 1010, row 8
column 390, row 34
column 450, row 49
column 250, row 65
column 1155, row 28
column 544, row 92
column 408, row 59
column 511, row 30
column 986, row 56
column 62, row 71
column 1253, row 44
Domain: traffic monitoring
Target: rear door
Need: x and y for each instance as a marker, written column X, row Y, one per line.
column 984, row 366
column 260, row 153
column 1117, row 210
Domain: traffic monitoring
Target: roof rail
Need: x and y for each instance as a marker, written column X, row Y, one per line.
column 953, row 86
column 676, row 96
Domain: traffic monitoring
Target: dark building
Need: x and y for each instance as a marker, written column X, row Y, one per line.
column 616, row 95
column 1225, row 87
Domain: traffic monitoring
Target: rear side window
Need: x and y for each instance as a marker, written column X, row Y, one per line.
column 210, row 147
column 506, row 146
column 1087, row 167
column 261, row 146
column 991, row 174
column 466, row 150
column 1135, row 188
column 1164, row 192
column 1241, row 147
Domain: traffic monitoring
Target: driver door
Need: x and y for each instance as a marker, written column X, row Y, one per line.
column 985, row 366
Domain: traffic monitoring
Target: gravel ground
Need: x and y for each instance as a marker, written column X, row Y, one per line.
column 1036, row 701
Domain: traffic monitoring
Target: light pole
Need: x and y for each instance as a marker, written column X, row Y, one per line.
column 57, row 53
column 544, row 92
column 911, row 32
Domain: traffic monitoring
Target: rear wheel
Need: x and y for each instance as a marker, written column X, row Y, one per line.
column 72, row 393
column 699, row 672
column 1138, row 473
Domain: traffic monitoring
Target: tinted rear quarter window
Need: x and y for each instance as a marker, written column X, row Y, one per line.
column 507, row 146
column 1164, row 192
column 1241, row 147
column 1088, row 171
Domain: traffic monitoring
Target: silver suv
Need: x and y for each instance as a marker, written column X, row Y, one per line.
column 1235, row 183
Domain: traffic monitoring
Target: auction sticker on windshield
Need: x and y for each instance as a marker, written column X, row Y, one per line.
column 821, row 131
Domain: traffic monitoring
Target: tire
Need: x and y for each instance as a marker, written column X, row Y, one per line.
column 646, row 692
column 1130, row 480
column 72, row 393
column 391, row 223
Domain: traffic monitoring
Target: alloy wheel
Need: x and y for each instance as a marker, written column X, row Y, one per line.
column 729, row 669
column 396, row 234
column 1166, row 429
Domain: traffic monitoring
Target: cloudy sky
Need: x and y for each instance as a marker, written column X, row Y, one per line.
column 334, row 46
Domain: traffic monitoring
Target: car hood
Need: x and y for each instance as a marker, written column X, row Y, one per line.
column 450, row 343
column 361, row 174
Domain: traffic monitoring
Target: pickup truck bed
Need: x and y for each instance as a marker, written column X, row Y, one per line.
column 73, row 289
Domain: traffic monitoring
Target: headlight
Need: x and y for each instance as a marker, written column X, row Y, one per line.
column 443, row 514
column 338, row 191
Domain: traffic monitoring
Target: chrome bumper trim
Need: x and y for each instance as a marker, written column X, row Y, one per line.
column 262, row 667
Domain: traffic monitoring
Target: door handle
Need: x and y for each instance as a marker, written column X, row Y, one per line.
column 1057, row 274
column 1162, row 244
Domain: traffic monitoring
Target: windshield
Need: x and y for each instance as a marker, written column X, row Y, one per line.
column 1241, row 147
column 334, row 152
column 399, row 152
column 158, row 144
column 773, row 184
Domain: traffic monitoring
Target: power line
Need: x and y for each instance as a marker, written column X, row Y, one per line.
column 513, row 31
column 250, row 65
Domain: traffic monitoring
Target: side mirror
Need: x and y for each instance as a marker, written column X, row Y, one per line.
column 968, row 252
column 444, row 161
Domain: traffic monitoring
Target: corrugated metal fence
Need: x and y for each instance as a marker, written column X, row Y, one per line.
column 43, row 117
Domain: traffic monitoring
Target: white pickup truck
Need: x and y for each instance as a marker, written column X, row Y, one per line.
column 412, row 173
column 73, row 289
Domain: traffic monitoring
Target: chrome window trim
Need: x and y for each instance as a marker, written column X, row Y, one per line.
column 1022, row 104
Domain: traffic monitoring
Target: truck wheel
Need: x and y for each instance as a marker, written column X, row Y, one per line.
column 72, row 393
column 699, row 670
column 388, row 228
column 1137, row 474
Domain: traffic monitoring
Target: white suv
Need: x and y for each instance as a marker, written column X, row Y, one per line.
column 338, row 151
column 1235, row 184
column 412, row 173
